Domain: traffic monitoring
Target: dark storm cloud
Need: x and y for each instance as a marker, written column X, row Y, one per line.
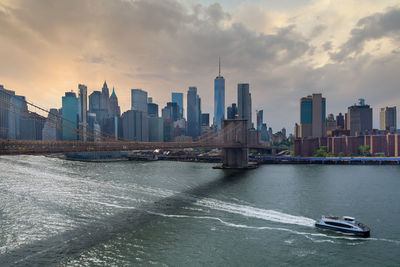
column 373, row 27
column 156, row 32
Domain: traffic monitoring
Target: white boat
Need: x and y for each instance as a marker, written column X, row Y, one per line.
column 346, row 225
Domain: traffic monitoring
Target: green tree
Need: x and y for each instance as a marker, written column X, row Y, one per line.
column 341, row 154
column 321, row 152
column 364, row 150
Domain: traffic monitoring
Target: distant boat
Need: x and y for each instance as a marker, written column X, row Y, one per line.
column 346, row 225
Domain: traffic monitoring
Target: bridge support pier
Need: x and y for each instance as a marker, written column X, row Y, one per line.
column 235, row 158
column 235, row 153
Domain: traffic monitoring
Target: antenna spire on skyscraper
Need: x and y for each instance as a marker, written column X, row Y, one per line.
column 219, row 66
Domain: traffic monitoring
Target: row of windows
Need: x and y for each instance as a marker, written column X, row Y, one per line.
column 339, row 224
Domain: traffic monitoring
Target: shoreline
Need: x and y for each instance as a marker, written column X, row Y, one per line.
column 332, row 160
column 266, row 160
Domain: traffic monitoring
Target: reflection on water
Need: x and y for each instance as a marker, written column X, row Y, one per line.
column 74, row 213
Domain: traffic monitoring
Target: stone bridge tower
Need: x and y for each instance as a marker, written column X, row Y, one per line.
column 235, row 153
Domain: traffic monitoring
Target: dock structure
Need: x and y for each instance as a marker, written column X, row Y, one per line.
column 330, row 160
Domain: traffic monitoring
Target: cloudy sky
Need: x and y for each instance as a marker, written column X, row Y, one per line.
column 345, row 49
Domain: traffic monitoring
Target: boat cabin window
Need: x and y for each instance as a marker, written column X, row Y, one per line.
column 338, row 224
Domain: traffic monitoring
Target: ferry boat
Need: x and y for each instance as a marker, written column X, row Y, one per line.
column 346, row 225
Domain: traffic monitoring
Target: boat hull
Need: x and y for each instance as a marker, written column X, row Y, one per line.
column 365, row 233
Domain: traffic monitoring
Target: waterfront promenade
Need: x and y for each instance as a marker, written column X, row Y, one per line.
column 329, row 160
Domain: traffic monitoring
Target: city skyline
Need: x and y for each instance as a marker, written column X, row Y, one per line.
column 148, row 100
column 344, row 50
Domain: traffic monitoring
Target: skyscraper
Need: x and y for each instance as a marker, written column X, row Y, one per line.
column 113, row 103
column 70, row 116
column 219, row 99
column 175, row 110
column 359, row 118
column 152, row 109
column 193, row 112
column 388, row 118
column 259, row 119
column 5, row 122
column 331, row 123
column 99, row 103
column 232, row 112
column 205, row 119
column 199, row 114
column 313, row 116
column 139, row 100
column 83, row 110
column 104, row 102
column 340, row 121
column 135, row 125
column 166, row 113
column 244, row 103
column 16, row 119
column 178, row 98
column 156, row 129
column 95, row 99
column 49, row 131
column 13, row 113
column 94, row 127
column 296, row 131
column 32, row 127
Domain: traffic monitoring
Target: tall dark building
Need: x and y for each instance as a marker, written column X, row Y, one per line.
column 193, row 112
column 232, row 112
column 94, row 101
column 113, row 103
column 264, row 132
column 313, row 116
column 12, row 112
column 70, row 116
column 105, row 107
column 259, row 119
column 5, row 122
column 244, row 103
column 175, row 110
column 166, row 114
column 359, row 118
column 388, row 119
column 152, row 109
column 340, row 121
column 219, row 99
column 96, row 106
column 82, row 111
column 205, row 119
column 139, row 100
column 105, row 97
column 135, row 126
column 178, row 98
column 49, row 131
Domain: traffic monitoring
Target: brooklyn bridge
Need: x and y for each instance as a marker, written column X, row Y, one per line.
column 233, row 139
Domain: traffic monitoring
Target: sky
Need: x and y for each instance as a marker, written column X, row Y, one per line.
column 287, row 49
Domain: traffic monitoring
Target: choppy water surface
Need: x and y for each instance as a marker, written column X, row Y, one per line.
column 56, row 212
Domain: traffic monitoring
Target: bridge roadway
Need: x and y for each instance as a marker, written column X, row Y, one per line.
column 31, row 147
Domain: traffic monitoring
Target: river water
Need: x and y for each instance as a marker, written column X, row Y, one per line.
column 57, row 212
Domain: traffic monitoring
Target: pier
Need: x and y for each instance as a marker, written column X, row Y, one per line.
column 330, row 160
